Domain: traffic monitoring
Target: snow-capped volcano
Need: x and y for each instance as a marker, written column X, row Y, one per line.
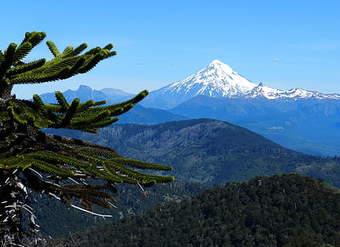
column 220, row 80
column 216, row 80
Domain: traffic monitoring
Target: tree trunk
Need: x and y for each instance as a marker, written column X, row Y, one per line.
column 5, row 90
column 10, row 214
column 14, row 139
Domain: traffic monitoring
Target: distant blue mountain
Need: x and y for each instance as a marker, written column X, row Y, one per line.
column 307, row 125
column 87, row 93
column 144, row 115
column 299, row 119
column 138, row 114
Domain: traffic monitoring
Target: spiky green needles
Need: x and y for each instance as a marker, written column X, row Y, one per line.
column 53, row 164
column 64, row 64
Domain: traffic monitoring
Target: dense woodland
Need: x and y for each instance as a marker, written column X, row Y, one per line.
column 281, row 210
column 59, row 220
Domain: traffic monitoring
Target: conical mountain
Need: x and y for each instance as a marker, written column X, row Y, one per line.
column 220, row 80
column 215, row 80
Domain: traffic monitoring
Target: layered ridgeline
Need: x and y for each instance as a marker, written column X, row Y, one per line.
column 278, row 211
column 202, row 150
column 219, row 92
column 209, row 151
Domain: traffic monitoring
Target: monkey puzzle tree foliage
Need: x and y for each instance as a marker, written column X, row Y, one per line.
column 31, row 160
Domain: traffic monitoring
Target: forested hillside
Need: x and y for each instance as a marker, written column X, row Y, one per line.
column 277, row 211
column 209, row 151
column 201, row 151
column 59, row 220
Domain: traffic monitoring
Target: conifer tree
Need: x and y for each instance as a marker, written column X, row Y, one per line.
column 60, row 167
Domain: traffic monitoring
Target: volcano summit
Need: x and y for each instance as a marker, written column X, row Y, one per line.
column 220, row 80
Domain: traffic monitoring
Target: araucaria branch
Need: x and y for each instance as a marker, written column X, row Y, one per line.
column 31, row 160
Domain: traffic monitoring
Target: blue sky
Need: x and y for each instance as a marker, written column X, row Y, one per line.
column 284, row 44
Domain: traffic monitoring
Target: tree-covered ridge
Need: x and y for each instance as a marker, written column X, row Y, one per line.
column 57, row 166
column 279, row 211
column 57, row 220
column 210, row 151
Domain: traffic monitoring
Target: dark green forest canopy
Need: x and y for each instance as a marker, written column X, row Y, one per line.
column 57, row 220
column 281, row 210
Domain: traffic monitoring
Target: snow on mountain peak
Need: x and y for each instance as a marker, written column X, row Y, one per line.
column 217, row 79
column 220, row 80
column 218, row 65
column 215, row 61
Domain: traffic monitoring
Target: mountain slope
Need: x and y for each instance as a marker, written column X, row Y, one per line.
column 208, row 151
column 115, row 92
column 143, row 115
column 220, row 80
column 282, row 120
column 216, row 80
column 110, row 95
column 85, row 93
column 307, row 121
column 277, row 211
column 308, row 125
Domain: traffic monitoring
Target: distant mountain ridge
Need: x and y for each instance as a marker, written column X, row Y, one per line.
column 299, row 119
column 208, row 151
column 84, row 92
column 138, row 114
column 307, row 124
column 220, row 80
